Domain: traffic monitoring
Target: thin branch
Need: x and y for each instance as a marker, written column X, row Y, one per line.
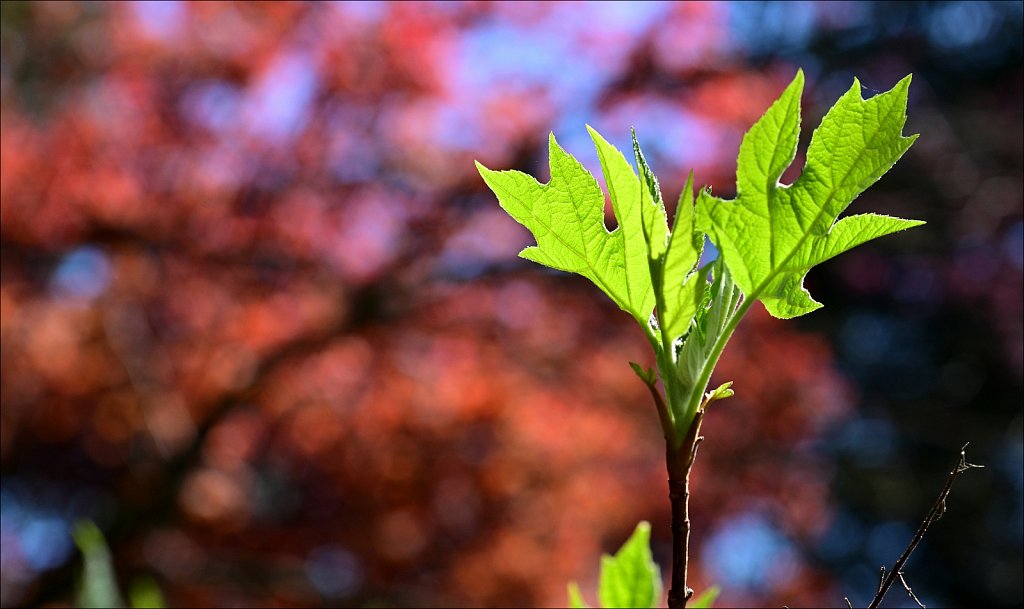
column 936, row 512
column 906, row 587
column 848, row 603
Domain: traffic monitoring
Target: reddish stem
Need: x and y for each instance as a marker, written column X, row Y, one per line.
column 680, row 462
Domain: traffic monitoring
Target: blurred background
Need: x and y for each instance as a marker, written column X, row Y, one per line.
column 264, row 324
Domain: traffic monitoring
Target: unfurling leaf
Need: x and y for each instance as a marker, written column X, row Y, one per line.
column 646, row 374
column 723, row 391
column 772, row 234
column 681, row 286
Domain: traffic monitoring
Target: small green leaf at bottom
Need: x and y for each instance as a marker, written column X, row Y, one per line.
column 631, row 578
column 145, row 594
column 98, row 585
column 705, row 599
column 576, row 597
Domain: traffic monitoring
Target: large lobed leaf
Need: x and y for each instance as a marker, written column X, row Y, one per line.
column 638, row 263
column 566, row 217
column 772, row 234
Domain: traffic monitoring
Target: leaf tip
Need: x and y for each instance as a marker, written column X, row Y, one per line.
column 576, row 597
column 688, row 188
column 533, row 254
column 596, row 137
column 557, row 154
column 87, row 535
column 553, row 145
column 796, row 85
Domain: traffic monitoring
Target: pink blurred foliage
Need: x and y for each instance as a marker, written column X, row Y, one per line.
column 312, row 333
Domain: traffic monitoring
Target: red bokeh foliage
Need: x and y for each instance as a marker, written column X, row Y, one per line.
column 309, row 337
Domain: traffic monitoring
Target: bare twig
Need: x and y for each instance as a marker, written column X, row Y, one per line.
column 848, row 603
column 936, row 512
column 906, row 587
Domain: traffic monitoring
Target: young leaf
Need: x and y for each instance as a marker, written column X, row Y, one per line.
column 678, row 288
column 722, row 392
column 771, row 234
column 683, row 285
column 98, row 585
column 655, row 219
column 631, row 578
column 566, row 217
column 646, row 374
column 719, row 301
column 145, row 594
column 576, row 597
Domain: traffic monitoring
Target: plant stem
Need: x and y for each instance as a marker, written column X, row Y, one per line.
column 682, row 433
column 681, row 455
column 663, row 413
column 680, row 461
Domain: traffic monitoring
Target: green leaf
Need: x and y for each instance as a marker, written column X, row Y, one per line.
column 771, row 234
column 678, row 287
column 723, row 391
column 683, row 285
column 705, row 599
column 655, row 219
column 631, row 578
column 98, row 585
column 576, row 598
column 646, row 374
column 566, row 217
column 713, row 314
column 145, row 594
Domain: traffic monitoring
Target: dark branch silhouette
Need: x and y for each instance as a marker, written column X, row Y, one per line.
column 934, row 514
